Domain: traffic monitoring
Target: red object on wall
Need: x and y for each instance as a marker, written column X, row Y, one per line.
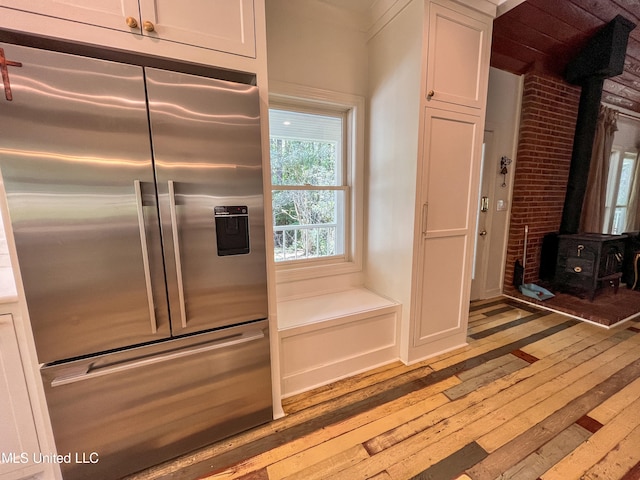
column 547, row 126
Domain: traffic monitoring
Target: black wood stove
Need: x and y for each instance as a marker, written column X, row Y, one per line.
column 586, row 261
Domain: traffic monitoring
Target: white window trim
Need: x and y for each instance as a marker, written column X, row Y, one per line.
column 612, row 196
column 283, row 93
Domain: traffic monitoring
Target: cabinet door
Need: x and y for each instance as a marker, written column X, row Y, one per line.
column 224, row 25
column 448, row 188
column 104, row 13
column 458, row 57
column 19, row 441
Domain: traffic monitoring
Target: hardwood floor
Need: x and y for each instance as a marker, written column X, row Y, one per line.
column 535, row 395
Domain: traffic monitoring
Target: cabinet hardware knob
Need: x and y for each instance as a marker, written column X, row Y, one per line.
column 148, row 26
column 483, row 233
column 430, row 93
column 577, row 269
column 131, row 22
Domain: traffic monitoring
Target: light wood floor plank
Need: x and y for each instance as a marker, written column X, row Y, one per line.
column 354, row 437
column 299, row 451
column 472, row 382
column 487, row 367
column 601, row 442
column 396, row 423
column 619, row 402
column 619, row 461
column 503, row 392
column 413, row 443
column 487, row 344
column 541, row 433
column 325, row 468
column 562, row 390
column 546, row 456
column 560, row 340
column 336, row 389
column 464, row 427
column 482, row 321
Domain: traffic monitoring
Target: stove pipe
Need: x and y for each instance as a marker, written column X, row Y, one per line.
column 602, row 58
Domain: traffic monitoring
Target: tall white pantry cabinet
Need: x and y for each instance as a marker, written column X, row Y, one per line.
column 430, row 67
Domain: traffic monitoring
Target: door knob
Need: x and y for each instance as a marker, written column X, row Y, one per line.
column 482, row 233
column 148, row 26
column 430, row 93
column 131, row 22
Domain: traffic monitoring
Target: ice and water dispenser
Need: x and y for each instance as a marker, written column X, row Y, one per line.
column 232, row 230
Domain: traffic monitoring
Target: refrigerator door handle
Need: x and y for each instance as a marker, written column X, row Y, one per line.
column 145, row 256
column 90, row 371
column 176, row 251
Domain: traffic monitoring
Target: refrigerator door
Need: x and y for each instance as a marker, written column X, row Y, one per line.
column 76, row 163
column 207, row 151
column 134, row 409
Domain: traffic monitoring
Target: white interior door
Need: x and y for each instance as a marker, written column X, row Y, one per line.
column 485, row 210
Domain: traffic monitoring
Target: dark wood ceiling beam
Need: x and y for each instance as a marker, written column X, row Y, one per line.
column 526, row 34
column 614, row 88
column 622, row 102
column 535, row 59
column 508, row 63
column 606, row 10
column 633, row 48
column 543, row 35
column 571, row 14
column 546, row 22
column 630, row 77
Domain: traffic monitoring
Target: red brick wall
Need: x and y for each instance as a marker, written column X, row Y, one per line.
column 547, row 126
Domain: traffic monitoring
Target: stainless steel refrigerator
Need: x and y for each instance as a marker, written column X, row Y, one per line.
column 135, row 196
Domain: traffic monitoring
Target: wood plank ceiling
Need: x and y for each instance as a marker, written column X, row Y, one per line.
column 544, row 35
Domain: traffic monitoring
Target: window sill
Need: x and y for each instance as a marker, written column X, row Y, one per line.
column 294, row 273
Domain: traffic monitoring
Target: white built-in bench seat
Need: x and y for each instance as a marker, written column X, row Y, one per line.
column 327, row 337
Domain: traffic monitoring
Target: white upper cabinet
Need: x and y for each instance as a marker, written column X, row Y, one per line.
column 457, row 58
column 223, row 25
column 104, row 13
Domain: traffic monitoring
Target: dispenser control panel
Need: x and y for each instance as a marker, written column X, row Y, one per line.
column 232, row 229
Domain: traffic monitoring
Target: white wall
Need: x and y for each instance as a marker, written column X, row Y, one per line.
column 394, row 112
column 317, row 45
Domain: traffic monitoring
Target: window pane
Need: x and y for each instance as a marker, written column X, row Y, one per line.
column 307, row 223
column 624, row 189
column 619, row 219
column 613, row 176
column 306, row 149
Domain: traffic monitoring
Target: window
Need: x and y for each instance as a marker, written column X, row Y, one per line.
column 316, row 163
column 308, row 181
column 621, row 173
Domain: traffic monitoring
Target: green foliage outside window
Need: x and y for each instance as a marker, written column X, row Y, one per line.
column 311, row 164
